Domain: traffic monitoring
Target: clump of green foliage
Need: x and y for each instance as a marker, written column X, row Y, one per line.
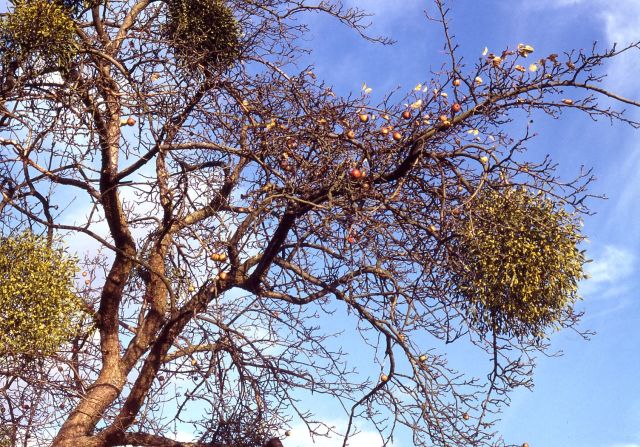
column 519, row 262
column 5, row 440
column 39, row 29
column 39, row 310
column 203, row 32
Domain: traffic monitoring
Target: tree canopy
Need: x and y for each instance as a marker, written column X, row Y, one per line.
column 250, row 220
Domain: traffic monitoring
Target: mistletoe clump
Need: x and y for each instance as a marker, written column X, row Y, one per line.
column 38, row 309
column 203, row 32
column 5, row 436
column 39, row 29
column 519, row 262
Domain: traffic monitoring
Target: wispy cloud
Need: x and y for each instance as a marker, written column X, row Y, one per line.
column 620, row 22
column 608, row 273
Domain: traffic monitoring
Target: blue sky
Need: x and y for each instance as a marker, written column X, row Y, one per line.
column 590, row 397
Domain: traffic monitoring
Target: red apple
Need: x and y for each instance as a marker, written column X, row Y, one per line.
column 130, row 121
column 397, row 136
column 455, row 108
column 465, row 416
column 355, row 173
column 406, row 114
column 351, row 240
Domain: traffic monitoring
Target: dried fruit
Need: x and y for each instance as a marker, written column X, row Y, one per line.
column 355, row 173
column 524, row 50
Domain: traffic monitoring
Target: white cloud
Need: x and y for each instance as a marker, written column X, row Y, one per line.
column 620, row 21
column 612, row 265
column 608, row 273
column 300, row 437
column 622, row 26
column 184, row 436
column 625, row 445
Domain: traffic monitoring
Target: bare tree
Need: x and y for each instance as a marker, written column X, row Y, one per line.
column 248, row 209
